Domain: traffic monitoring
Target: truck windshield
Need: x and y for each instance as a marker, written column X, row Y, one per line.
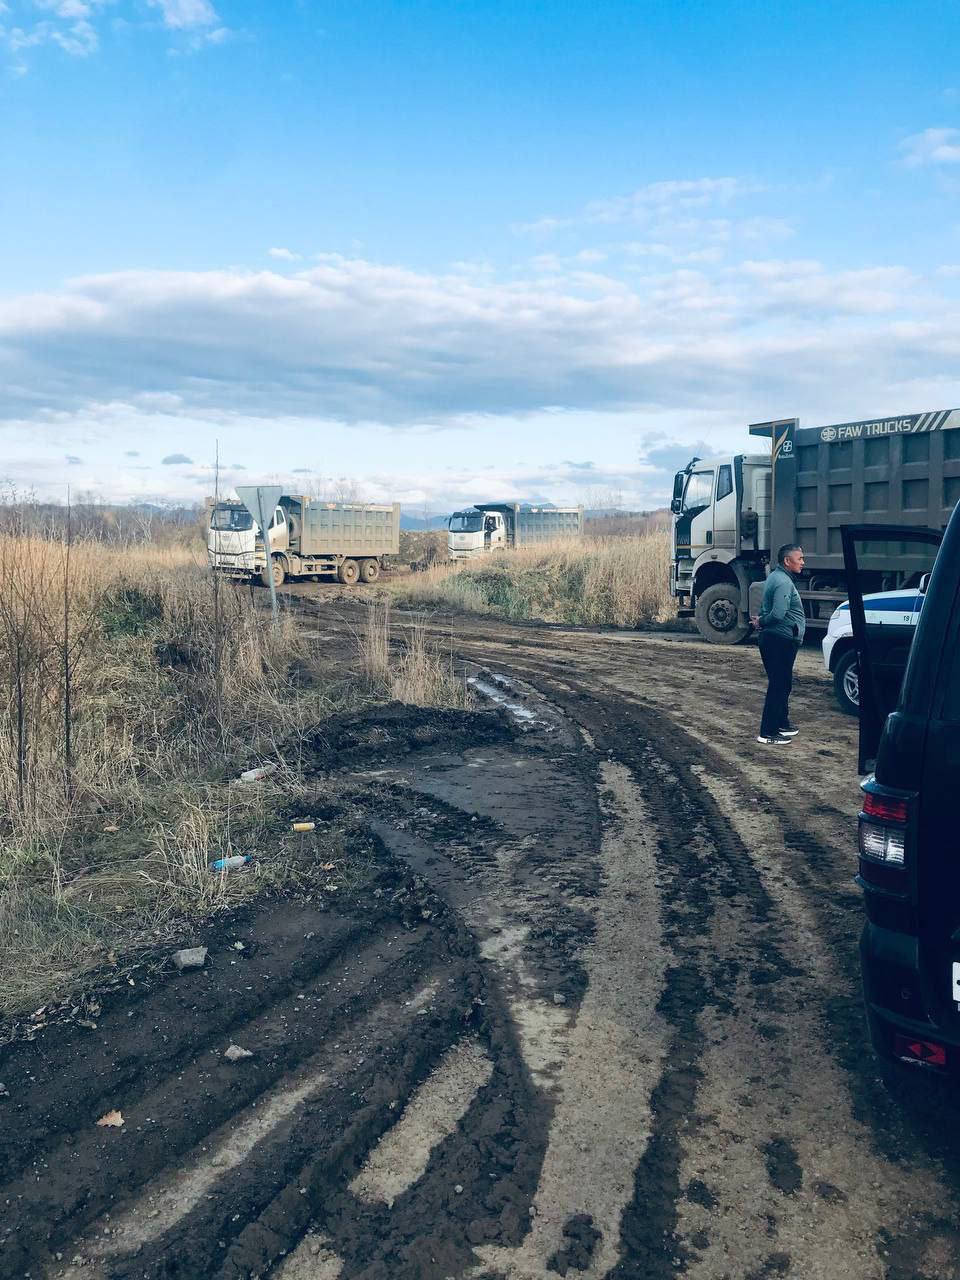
column 234, row 519
column 466, row 522
column 699, row 491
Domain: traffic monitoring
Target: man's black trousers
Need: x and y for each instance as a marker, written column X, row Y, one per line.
column 779, row 654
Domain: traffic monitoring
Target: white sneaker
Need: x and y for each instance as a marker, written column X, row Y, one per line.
column 789, row 733
column 778, row 740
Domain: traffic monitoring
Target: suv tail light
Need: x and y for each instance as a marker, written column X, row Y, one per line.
column 886, row 808
column 882, row 843
column 884, row 823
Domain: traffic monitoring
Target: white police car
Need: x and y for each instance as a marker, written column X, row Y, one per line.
column 884, row 608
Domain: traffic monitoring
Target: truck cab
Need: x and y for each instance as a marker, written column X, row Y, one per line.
column 721, row 530
column 477, row 530
column 234, row 544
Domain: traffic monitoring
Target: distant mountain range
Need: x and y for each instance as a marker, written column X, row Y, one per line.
column 420, row 523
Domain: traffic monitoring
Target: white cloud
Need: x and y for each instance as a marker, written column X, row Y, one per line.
column 284, row 255
column 805, row 285
column 72, row 25
column 66, row 23
column 360, row 342
column 654, row 201
column 79, row 40
column 931, row 147
column 185, row 15
column 665, row 197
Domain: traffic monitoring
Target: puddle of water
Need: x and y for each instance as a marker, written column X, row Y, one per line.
column 497, row 695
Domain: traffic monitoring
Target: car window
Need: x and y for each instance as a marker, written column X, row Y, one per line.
column 724, row 482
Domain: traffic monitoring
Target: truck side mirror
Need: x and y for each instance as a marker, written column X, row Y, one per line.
column 924, row 583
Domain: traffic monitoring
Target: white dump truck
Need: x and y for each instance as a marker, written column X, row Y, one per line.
column 495, row 526
column 308, row 538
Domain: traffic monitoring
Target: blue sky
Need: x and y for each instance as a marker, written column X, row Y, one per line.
column 447, row 251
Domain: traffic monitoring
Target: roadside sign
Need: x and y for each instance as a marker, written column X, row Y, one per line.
column 261, row 501
column 251, row 496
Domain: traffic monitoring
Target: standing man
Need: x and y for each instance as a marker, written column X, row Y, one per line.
column 781, row 624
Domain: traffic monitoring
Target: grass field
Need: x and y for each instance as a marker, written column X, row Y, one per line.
column 622, row 581
column 133, row 691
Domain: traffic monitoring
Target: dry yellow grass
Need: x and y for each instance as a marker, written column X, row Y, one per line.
column 132, row 688
column 119, row 667
column 412, row 670
column 614, row 581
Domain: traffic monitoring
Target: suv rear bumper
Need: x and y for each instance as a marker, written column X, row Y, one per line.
column 893, row 987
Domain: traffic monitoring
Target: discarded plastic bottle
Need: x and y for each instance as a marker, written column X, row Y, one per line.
column 254, row 775
column 304, row 826
column 231, row 864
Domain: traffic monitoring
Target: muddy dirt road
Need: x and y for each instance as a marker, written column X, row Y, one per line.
column 592, row 1010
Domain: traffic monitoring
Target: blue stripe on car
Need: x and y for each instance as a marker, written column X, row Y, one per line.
column 889, row 604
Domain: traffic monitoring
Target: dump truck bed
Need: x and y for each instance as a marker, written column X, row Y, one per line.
column 903, row 470
column 352, row 529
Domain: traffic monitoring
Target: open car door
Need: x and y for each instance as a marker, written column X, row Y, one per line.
column 882, row 650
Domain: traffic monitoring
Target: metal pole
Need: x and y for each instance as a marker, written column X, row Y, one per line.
column 265, row 533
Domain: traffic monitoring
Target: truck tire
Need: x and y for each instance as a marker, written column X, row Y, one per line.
column 369, row 570
column 279, row 573
column 348, row 573
column 718, row 614
column 846, row 683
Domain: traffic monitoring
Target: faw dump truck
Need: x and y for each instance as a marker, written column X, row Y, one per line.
column 308, row 538
column 496, row 526
column 730, row 514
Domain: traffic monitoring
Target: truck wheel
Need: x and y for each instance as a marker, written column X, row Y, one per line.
column 369, row 570
column 846, row 683
column 349, row 572
column 279, row 573
column 718, row 615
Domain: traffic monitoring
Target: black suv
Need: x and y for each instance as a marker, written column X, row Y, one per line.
column 909, row 867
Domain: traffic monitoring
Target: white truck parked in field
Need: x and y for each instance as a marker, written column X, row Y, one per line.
column 308, row 538
column 495, row 526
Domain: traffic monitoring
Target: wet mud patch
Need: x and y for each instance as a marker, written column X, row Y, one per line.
column 284, row 980
column 783, row 1166
column 382, row 734
column 581, row 1238
column 345, row 1002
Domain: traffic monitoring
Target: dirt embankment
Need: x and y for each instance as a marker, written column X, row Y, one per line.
column 588, row 1005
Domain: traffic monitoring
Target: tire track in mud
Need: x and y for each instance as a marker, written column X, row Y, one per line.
column 824, row 1144
column 256, row 1152
column 89, row 1072
column 290, row 1128
column 548, row 913
column 600, row 1125
column 861, row 1231
column 591, row 1045
column 79, row 1179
